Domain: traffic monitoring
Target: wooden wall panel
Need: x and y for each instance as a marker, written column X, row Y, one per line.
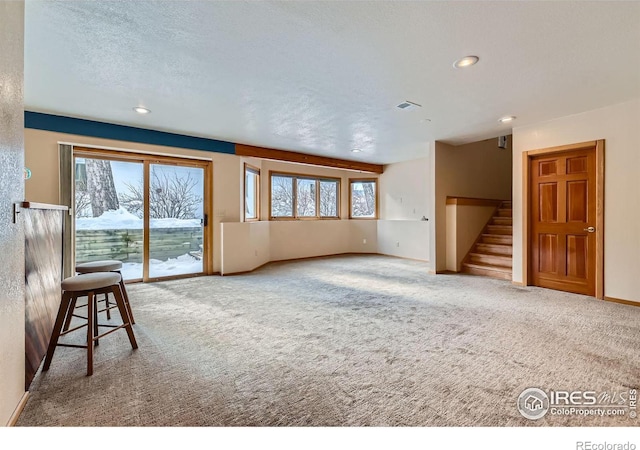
column 43, row 274
column 577, row 201
column 548, row 249
column 577, row 165
column 577, row 256
column 546, row 168
column 548, row 202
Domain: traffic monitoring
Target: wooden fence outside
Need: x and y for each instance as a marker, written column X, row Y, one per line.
column 126, row 245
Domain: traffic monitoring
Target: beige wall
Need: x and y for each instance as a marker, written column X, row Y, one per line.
column 245, row 246
column 363, row 236
column 478, row 170
column 293, row 239
column 11, row 190
column 618, row 125
column 464, row 225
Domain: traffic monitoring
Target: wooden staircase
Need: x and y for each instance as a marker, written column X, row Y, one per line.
column 491, row 254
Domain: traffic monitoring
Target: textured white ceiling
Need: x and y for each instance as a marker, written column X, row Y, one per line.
column 325, row 77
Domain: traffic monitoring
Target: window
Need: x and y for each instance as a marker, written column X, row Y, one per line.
column 329, row 195
column 304, row 197
column 282, row 196
column 251, row 193
column 363, row 199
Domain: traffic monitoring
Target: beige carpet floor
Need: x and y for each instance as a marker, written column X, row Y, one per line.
column 342, row 341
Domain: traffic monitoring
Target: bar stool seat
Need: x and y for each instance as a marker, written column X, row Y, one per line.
column 107, row 265
column 89, row 285
column 90, row 281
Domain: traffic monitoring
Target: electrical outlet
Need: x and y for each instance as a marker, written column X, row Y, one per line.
column 398, row 244
column 364, row 241
column 256, row 252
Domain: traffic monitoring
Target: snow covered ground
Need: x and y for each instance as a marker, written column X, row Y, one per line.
column 181, row 265
column 122, row 219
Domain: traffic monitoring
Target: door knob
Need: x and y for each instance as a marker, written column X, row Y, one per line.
column 590, row 229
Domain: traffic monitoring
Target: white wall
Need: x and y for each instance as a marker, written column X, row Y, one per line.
column 619, row 126
column 404, row 199
column 404, row 189
column 404, row 238
column 11, row 190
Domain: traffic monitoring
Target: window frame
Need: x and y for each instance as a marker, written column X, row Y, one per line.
column 248, row 168
column 295, row 176
column 377, row 202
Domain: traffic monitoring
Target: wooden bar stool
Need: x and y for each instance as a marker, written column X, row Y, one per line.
column 89, row 285
column 108, row 265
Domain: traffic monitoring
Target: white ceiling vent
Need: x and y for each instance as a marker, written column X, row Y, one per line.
column 407, row 105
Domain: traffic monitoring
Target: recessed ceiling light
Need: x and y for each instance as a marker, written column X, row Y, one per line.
column 141, row 110
column 467, row 61
column 356, row 150
column 506, row 119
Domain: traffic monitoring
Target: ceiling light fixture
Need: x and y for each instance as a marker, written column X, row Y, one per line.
column 141, row 110
column 467, row 61
column 506, row 119
column 356, row 150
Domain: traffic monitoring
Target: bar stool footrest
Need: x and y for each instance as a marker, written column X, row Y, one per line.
column 110, row 331
column 73, row 329
column 71, row 345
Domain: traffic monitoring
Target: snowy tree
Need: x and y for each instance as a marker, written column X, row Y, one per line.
column 281, row 196
column 328, row 198
column 306, row 198
column 363, row 199
column 100, row 186
column 83, row 201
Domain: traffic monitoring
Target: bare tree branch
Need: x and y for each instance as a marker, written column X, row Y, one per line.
column 170, row 196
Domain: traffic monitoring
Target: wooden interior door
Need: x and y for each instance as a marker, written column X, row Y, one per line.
column 563, row 221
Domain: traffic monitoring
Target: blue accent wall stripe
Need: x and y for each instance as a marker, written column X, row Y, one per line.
column 83, row 127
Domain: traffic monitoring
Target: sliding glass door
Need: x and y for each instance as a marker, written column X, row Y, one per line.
column 149, row 213
column 176, row 220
